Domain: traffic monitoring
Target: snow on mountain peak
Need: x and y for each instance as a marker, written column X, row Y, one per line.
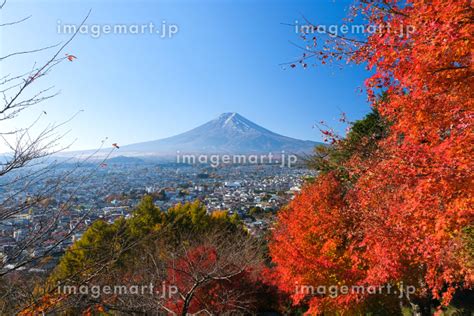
column 229, row 118
column 226, row 117
column 229, row 132
column 233, row 121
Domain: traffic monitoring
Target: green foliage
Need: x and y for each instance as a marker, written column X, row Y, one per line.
column 121, row 241
column 100, row 241
column 362, row 141
column 146, row 217
column 467, row 236
column 188, row 215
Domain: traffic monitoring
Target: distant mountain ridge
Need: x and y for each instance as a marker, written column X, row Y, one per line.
column 229, row 133
column 124, row 160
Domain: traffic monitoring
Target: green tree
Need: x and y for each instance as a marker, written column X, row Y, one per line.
column 361, row 141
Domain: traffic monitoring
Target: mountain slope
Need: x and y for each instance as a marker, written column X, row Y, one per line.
column 229, row 133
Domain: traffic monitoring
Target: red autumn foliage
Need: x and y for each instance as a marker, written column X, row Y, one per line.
column 309, row 246
column 70, row 57
column 404, row 215
column 205, row 283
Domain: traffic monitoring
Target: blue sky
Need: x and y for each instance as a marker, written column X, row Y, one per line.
column 224, row 58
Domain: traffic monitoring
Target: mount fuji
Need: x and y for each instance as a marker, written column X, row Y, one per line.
column 230, row 133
